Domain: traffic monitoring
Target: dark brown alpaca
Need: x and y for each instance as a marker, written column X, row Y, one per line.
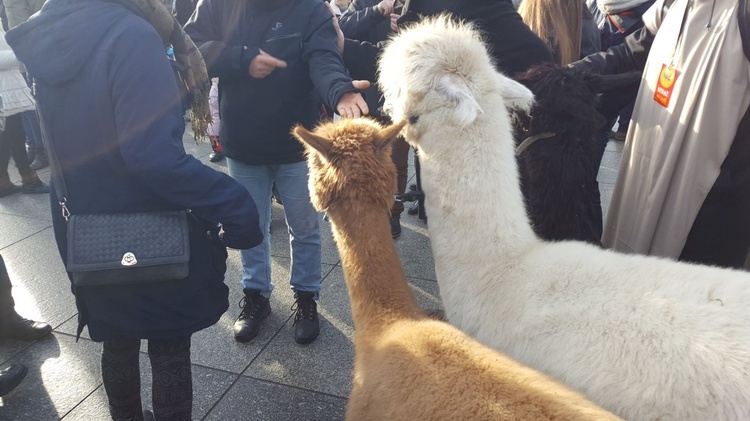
column 408, row 366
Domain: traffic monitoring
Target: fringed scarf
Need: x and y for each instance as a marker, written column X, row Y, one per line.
column 193, row 73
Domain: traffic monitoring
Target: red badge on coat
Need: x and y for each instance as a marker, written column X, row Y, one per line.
column 664, row 87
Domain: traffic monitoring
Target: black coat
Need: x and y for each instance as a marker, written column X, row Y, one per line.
column 257, row 115
column 511, row 43
column 111, row 111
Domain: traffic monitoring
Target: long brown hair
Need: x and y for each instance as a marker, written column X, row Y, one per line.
column 558, row 23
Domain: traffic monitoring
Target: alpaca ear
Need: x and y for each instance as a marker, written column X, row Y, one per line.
column 456, row 90
column 517, row 96
column 387, row 135
column 319, row 143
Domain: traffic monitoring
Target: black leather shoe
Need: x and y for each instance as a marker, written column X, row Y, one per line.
column 216, row 156
column 306, row 324
column 395, row 226
column 255, row 308
column 11, row 377
column 15, row 326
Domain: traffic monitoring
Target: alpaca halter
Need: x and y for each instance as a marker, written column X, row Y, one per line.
column 531, row 139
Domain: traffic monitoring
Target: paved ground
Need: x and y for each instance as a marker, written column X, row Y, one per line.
column 270, row 378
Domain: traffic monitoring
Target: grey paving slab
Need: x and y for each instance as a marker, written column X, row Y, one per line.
column 606, row 190
column 14, row 228
column 251, row 399
column 414, row 248
column 326, row 364
column 208, row 387
column 609, row 168
column 41, row 288
column 61, row 374
column 32, row 206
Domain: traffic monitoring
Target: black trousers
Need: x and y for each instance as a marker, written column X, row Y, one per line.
column 6, row 299
column 13, row 143
column 172, row 393
column 720, row 235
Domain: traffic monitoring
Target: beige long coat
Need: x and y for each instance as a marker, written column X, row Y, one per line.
column 673, row 155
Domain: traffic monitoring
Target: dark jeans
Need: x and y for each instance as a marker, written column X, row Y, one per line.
column 12, row 143
column 32, row 131
column 400, row 157
column 172, row 393
column 6, row 299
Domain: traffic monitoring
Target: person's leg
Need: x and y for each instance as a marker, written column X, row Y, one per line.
column 33, row 132
column 122, row 378
column 6, row 187
column 15, row 136
column 400, row 157
column 304, row 231
column 172, row 379
column 256, row 262
column 12, row 325
column 7, row 304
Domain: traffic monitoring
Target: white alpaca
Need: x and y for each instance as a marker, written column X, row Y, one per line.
column 644, row 337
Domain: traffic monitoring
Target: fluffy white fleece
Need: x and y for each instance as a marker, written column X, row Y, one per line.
column 644, row 337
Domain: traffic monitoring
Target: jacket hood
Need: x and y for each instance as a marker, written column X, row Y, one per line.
column 55, row 43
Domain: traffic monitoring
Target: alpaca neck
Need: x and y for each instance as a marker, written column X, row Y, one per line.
column 472, row 192
column 377, row 285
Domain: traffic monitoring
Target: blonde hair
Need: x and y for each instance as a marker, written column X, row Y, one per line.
column 558, row 23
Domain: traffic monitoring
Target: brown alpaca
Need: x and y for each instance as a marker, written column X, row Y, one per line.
column 408, row 366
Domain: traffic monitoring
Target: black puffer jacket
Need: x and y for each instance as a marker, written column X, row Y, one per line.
column 257, row 115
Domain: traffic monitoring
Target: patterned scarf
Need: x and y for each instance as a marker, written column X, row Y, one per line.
column 193, row 73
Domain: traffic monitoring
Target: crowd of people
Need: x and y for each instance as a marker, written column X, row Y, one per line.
column 683, row 190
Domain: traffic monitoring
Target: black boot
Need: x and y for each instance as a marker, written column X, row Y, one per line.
column 31, row 184
column 255, row 308
column 395, row 226
column 15, row 326
column 306, row 324
column 11, row 377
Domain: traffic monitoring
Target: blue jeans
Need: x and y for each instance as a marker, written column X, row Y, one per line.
column 301, row 220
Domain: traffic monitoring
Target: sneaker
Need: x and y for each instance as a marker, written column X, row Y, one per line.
column 40, row 161
column 35, row 188
column 11, row 377
column 216, row 156
column 15, row 326
column 306, row 323
column 413, row 208
column 395, row 226
column 255, row 308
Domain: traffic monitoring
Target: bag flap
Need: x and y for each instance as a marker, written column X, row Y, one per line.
column 111, row 241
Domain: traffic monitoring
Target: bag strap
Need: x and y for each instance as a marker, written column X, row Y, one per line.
column 743, row 19
column 60, row 188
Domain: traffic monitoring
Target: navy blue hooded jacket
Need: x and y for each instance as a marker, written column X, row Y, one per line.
column 111, row 110
column 257, row 115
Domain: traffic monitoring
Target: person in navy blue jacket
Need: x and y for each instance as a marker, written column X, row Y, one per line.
column 275, row 60
column 112, row 113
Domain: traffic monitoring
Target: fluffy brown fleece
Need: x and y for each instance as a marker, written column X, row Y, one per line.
column 408, row 366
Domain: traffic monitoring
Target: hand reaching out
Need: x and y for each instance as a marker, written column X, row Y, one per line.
column 386, row 7
column 263, row 64
column 351, row 104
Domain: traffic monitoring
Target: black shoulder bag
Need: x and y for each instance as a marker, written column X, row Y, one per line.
column 121, row 248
